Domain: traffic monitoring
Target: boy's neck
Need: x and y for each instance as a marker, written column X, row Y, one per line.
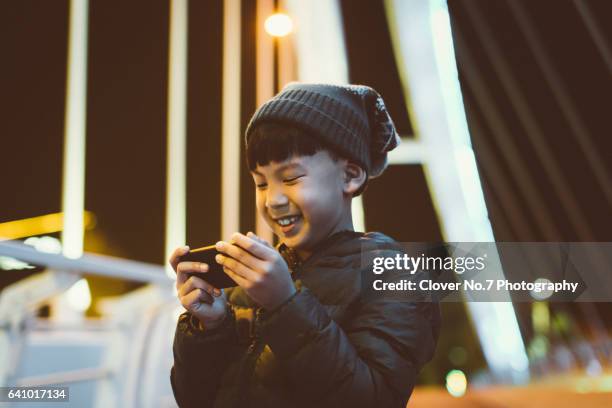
column 345, row 224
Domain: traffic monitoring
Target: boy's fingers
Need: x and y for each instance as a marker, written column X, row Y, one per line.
column 237, row 278
column 237, row 267
column 253, row 246
column 183, row 268
column 192, row 267
column 205, row 297
column 239, row 254
column 195, row 282
column 191, row 300
column 176, row 254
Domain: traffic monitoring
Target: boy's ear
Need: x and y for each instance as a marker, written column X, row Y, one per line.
column 354, row 177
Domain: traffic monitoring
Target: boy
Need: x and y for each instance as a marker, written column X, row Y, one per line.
column 298, row 330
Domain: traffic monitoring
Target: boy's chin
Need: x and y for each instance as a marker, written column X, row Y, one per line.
column 291, row 242
column 298, row 243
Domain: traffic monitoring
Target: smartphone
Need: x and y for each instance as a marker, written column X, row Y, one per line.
column 215, row 275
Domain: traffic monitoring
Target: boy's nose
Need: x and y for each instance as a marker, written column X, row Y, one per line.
column 276, row 199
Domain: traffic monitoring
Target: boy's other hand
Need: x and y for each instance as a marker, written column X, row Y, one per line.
column 205, row 302
column 258, row 268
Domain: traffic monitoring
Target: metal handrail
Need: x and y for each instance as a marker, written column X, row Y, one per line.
column 65, row 377
column 100, row 265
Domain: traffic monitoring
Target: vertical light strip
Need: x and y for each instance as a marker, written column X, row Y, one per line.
column 424, row 50
column 321, row 55
column 73, row 192
column 264, row 72
column 319, row 41
column 358, row 215
column 177, row 122
column 264, row 56
column 231, row 138
column 73, row 187
column 410, row 151
column 287, row 71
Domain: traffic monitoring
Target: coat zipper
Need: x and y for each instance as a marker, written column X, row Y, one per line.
column 252, row 354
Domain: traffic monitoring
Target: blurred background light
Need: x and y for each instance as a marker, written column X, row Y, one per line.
column 605, row 384
column 458, row 356
column 593, row 368
column 540, row 315
column 583, row 386
column 538, row 348
column 278, row 25
column 79, row 296
column 73, row 181
column 11, row 264
column 43, row 224
column 456, row 383
column 319, row 42
column 71, row 304
column 423, row 37
column 176, row 168
column 544, row 294
column 50, row 245
column 230, row 118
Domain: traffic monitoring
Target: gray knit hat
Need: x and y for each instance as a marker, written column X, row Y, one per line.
column 352, row 119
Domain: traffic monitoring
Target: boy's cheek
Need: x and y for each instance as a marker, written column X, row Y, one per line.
column 260, row 201
column 261, row 210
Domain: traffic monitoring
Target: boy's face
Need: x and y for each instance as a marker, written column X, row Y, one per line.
column 302, row 198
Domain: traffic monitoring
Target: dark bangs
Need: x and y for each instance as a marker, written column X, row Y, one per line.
column 277, row 142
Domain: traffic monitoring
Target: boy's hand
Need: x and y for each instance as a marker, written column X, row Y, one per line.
column 258, row 268
column 201, row 299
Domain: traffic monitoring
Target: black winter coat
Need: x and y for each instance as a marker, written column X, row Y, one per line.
column 327, row 346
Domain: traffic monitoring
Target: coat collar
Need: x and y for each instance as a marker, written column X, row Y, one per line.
column 294, row 261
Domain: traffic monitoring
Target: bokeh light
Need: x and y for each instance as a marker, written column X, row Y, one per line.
column 79, row 296
column 456, row 383
column 278, row 25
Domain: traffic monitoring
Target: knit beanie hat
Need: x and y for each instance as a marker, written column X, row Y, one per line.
column 351, row 119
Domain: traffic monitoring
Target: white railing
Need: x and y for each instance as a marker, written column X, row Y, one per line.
column 130, row 343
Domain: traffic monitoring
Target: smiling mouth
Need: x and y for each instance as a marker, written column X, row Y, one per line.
column 289, row 224
column 287, row 221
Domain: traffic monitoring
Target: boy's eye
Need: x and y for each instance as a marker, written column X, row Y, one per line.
column 261, row 185
column 292, row 179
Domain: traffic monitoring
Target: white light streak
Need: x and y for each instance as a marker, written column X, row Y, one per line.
column 73, row 191
column 424, row 49
column 176, row 170
column 230, row 122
